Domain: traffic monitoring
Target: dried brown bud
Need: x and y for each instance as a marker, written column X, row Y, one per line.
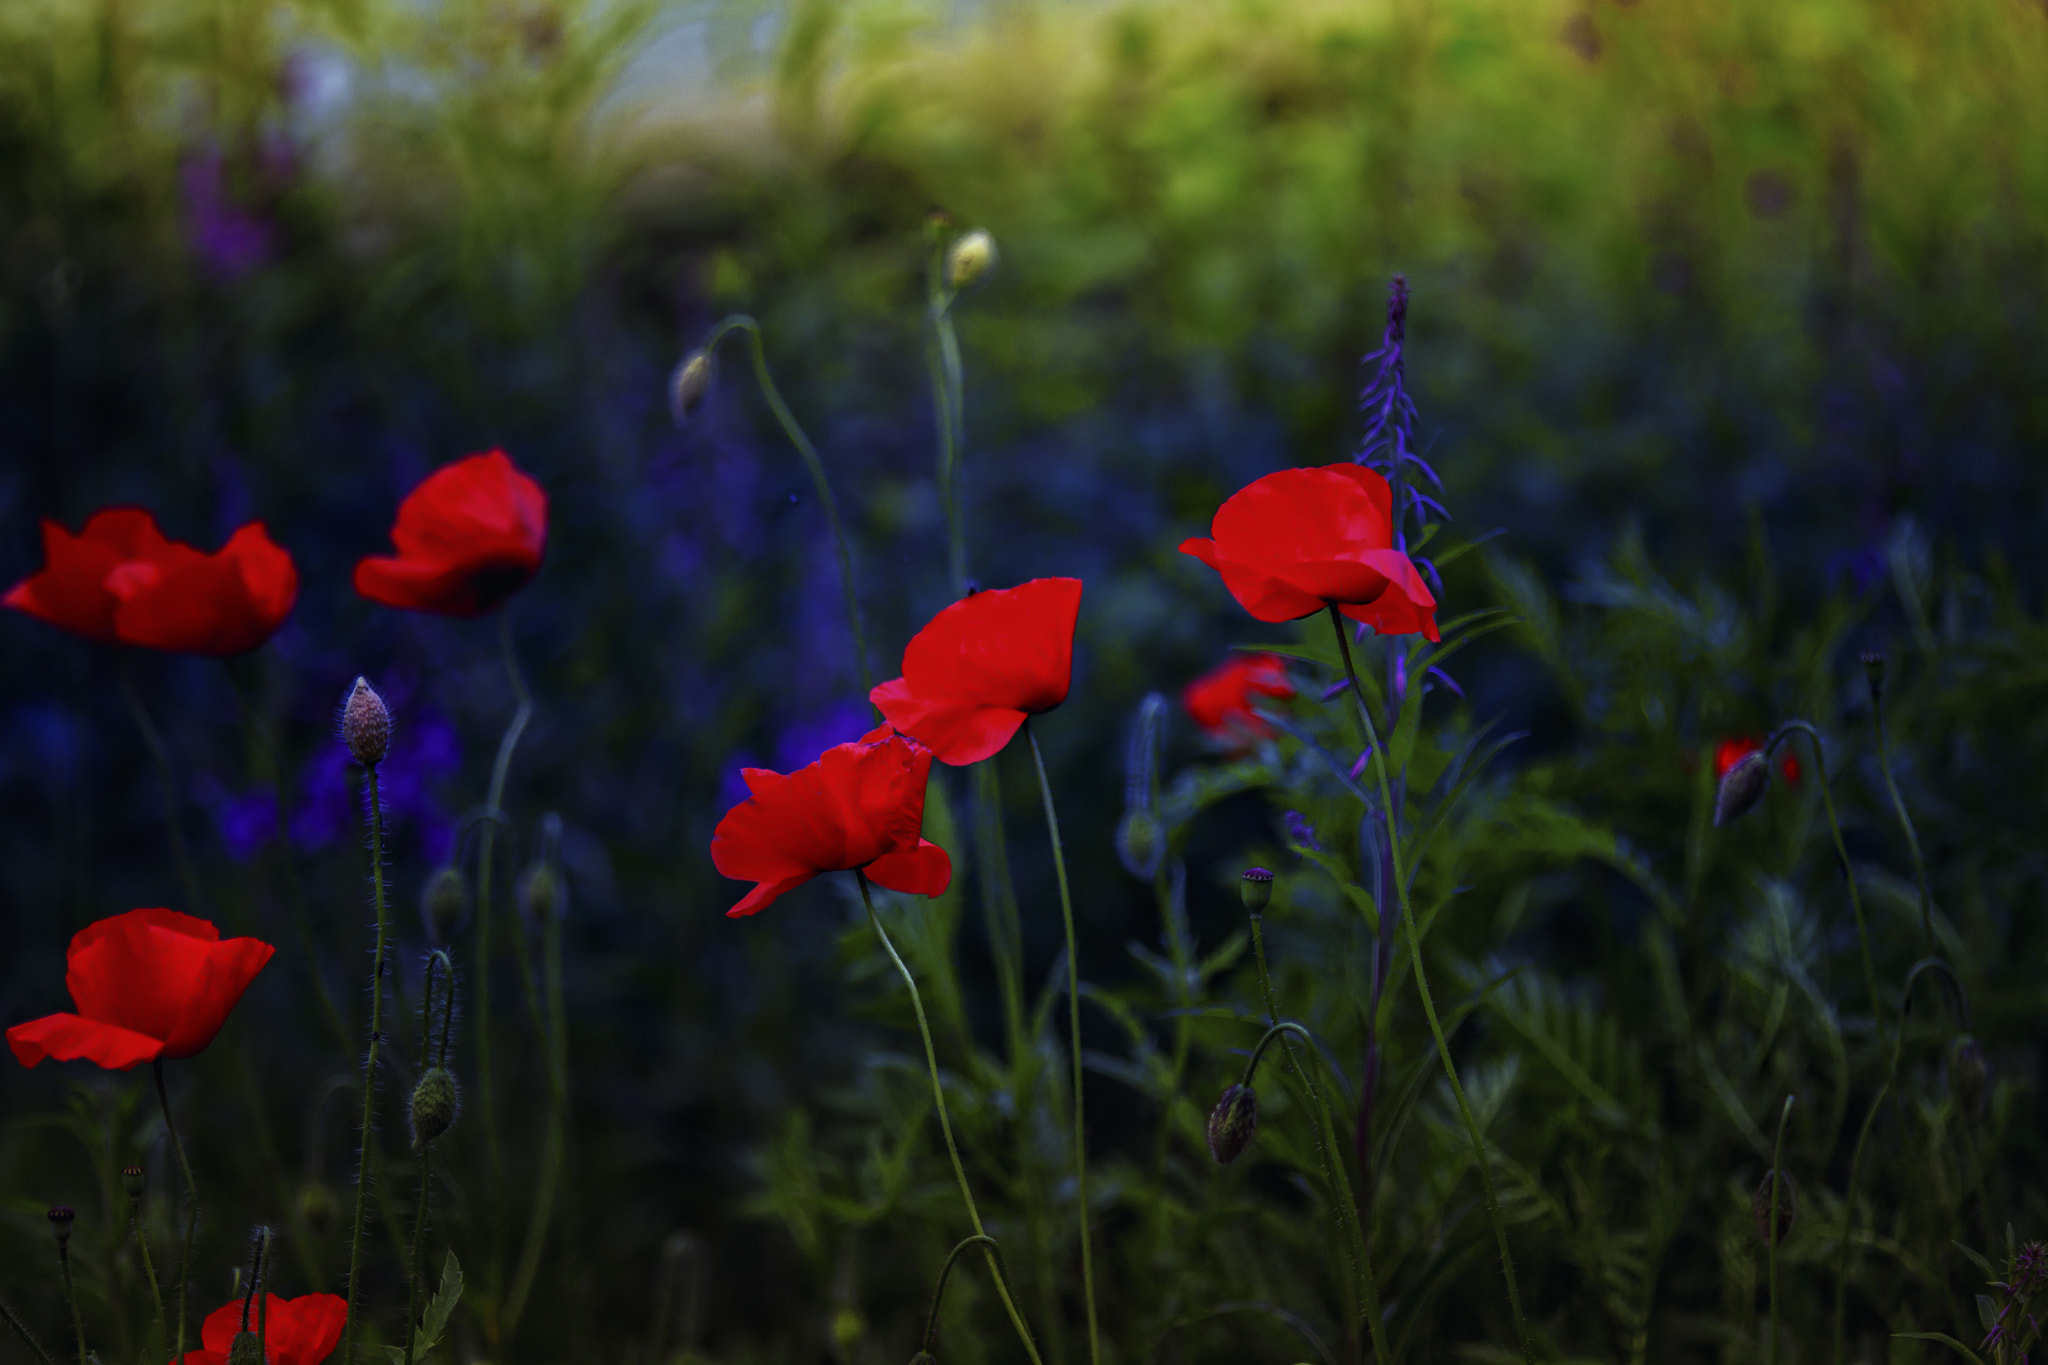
column 366, row 725
column 1255, row 885
column 1232, row 1123
column 1742, row 786
column 1788, row 1207
column 1969, row 1077
column 690, row 384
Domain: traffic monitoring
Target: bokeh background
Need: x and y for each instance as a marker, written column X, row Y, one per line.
column 1720, row 279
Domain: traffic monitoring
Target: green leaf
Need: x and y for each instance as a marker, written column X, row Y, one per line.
column 439, row 1308
column 1987, row 1312
column 1945, row 1339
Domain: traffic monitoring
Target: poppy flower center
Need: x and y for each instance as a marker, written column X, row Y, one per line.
column 127, row 579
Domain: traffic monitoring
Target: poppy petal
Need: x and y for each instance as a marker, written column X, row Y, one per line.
column 766, row 894
column 470, row 535
column 957, row 732
column 217, row 605
column 165, row 975
column 70, row 1038
column 922, row 871
column 305, row 1330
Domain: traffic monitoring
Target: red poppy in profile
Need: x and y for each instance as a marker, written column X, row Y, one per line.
column 148, row 984
column 861, row 805
column 1730, row 752
column 120, row 581
column 468, row 537
column 301, row 1331
column 1300, row 540
column 982, row 665
column 1220, row 701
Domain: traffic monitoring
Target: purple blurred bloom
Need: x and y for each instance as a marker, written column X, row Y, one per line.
column 1300, row 831
column 230, row 239
column 246, row 822
column 423, row 754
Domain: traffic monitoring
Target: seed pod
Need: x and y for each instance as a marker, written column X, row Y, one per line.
column 689, row 384
column 366, row 725
column 1969, row 1076
column 245, row 1349
column 1788, row 1207
column 1232, row 1123
column 1255, row 885
column 60, row 1223
column 1742, row 786
column 968, row 259
column 132, row 1182
column 444, row 904
column 435, row 1102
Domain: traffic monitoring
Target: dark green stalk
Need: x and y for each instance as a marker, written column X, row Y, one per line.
column 553, row 1026
column 1059, row 865
column 70, row 1293
column 931, row 1058
column 191, row 1201
column 167, row 781
column 740, row 322
column 419, row 1221
column 1771, row 1241
column 931, row 1319
column 21, row 1330
column 1436, row 1029
column 368, row 1130
column 1884, row 762
column 156, row 1296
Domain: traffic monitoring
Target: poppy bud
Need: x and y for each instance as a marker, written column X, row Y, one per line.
column 1232, row 1123
column 1788, row 1207
column 1742, row 786
column 319, row 1207
column 366, row 725
column 968, row 259
column 131, row 1182
column 1137, row 843
column 1969, row 1078
column 245, row 1349
column 690, row 384
column 540, row 893
column 444, row 903
column 60, row 1223
column 1873, row 673
column 1255, row 884
column 435, row 1101
column 924, row 1358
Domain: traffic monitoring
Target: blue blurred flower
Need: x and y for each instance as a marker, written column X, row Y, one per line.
column 231, row 239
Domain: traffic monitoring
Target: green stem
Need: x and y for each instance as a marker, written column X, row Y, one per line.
column 163, row 1098
column 1436, row 1029
column 931, row 1319
column 1884, row 762
column 740, row 322
column 368, row 1129
column 419, row 1220
column 931, row 1059
column 21, row 1330
column 1771, row 1241
column 1059, row 865
column 167, row 781
column 156, row 1296
column 71, row 1297
column 942, row 358
column 552, row 1027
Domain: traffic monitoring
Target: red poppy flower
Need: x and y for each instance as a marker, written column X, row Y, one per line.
column 861, row 805
column 468, row 537
column 301, row 1331
column 121, row 582
column 148, row 984
column 1729, row 752
column 1220, row 701
column 1300, row 540
column 982, row 665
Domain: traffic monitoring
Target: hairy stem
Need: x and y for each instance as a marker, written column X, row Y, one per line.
column 369, row 1121
column 21, row 1330
column 156, row 1296
column 71, row 1296
column 163, row 1098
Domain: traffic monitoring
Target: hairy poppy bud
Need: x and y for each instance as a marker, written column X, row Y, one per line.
column 444, row 903
column 924, row 1358
column 1255, row 884
column 690, row 384
column 1232, row 1123
column 1969, row 1078
column 1742, row 786
column 60, row 1223
column 435, row 1101
column 1873, row 673
column 1788, row 1207
column 366, row 725
column 245, row 1349
column 131, row 1182
column 968, row 259
column 319, row 1207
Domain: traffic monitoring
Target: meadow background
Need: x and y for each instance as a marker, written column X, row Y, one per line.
column 1728, row 316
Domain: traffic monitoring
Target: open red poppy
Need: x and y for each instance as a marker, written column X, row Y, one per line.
column 468, row 537
column 1220, row 701
column 301, row 1331
column 120, row 581
column 982, row 665
column 861, row 805
column 1300, row 540
column 148, row 984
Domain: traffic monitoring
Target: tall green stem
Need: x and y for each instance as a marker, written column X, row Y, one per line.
column 153, row 740
column 419, row 1220
column 156, row 1295
column 931, row 1059
column 1436, row 1029
column 368, row 1130
column 552, row 1024
column 163, row 1098
column 1771, row 1237
column 1884, row 763
column 21, row 1330
column 71, row 1294
column 1059, row 866
column 740, row 322
column 942, row 358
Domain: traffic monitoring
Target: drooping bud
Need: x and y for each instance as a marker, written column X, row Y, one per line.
column 132, row 1182
column 1742, row 786
column 969, row 258
column 60, row 1223
column 1255, row 885
column 435, row 1102
column 319, row 1207
column 1232, row 1123
column 540, row 893
column 1873, row 673
column 1788, row 1207
column 1969, row 1077
column 444, row 904
column 366, row 725
column 689, row 384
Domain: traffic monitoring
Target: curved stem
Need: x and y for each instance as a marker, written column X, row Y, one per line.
column 153, row 739
column 931, row 1059
column 1771, row 1241
column 1884, row 763
column 1059, row 864
column 163, row 1098
column 1436, row 1029
column 368, row 1129
column 931, row 1319
column 740, row 322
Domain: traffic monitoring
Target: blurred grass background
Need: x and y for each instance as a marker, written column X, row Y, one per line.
column 1714, row 275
